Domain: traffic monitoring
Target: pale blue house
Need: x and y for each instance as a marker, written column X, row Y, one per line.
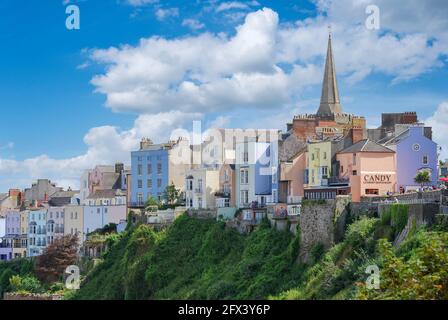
column 37, row 232
column 415, row 153
column 153, row 168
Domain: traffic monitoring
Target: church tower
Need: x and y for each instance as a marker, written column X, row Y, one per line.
column 329, row 102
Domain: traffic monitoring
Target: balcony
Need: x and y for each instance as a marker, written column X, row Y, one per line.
column 257, row 205
column 137, row 204
column 222, row 194
column 334, row 181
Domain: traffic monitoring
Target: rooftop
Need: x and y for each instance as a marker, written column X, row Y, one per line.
column 106, row 194
column 367, row 145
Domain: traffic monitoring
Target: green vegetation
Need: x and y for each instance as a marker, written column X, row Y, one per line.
column 195, row 259
column 396, row 217
column 202, row 259
column 13, row 268
column 422, row 177
column 418, row 272
column 25, row 284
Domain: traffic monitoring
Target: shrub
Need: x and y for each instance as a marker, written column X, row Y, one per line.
column 25, row 284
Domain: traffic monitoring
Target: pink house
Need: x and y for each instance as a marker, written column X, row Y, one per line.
column 369, row 167
column 292, row 178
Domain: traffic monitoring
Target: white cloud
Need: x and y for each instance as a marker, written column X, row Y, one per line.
column 439, row 123
column 139, row 3
column 252, row 69
column 193, row 24
column 231, row 5
column 162, row 14
column 105, row 145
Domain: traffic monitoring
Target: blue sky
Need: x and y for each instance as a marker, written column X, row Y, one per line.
column 71, row 99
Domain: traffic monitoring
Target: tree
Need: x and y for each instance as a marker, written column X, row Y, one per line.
column 422, row 177
column 51, row 265
column 171, row 194
column 152, row 202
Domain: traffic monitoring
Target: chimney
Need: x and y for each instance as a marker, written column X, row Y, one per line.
column 357, row 134
column 145, row 143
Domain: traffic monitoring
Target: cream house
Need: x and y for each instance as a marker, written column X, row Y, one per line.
column 201, row 186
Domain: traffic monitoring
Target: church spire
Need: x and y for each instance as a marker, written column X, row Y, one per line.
column 329, row 102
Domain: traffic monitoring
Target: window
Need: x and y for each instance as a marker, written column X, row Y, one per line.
column 159, row 168
column 342, row 169
column 159, row 183
column 324, row 171
column 200, row 185
column 199, row 202
column 149, row 183
column 354, row 158
column 98, row 210
column 140, row 184
column 312, row 156
column 425, row 159
column 416, row 147
column 372, row 192
column 245, row 157
column 355, row 172
column 140, row 198
column 149, row 169
column 244, row 197
column 244, row 179
column 105, row 210
column 139, row 170
column 76, row 215
column 325, row 155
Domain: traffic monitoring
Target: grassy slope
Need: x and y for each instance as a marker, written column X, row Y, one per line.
column 201, row 259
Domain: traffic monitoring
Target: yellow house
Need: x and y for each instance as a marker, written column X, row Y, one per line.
column 319, row 163
column 20, row 248
column 74, row 221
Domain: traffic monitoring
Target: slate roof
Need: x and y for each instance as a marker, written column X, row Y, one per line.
column 394, row 139
column 106, row 194
column 367, row 145
column 64, row 194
